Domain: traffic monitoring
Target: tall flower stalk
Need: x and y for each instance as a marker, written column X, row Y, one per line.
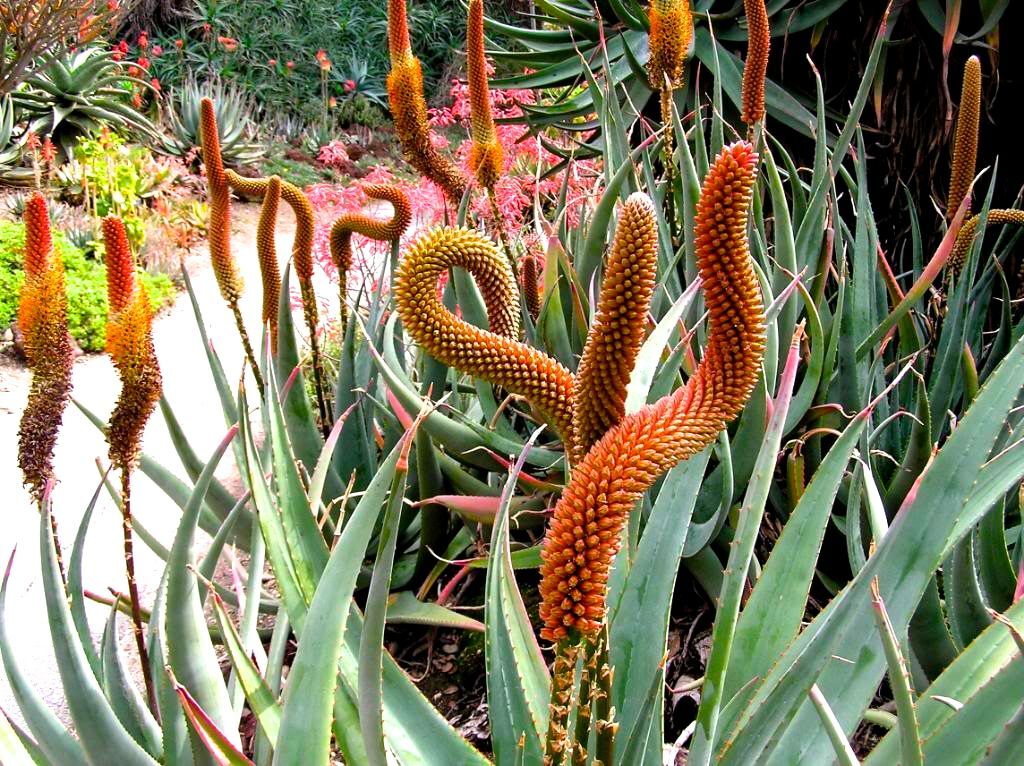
column 670, row 39
column 755, row 67
column 229, row 280
column 43, row 322
column 266, row 251
column 585, row 532
column 965, row 140
column 409, row 109
column 130, row 347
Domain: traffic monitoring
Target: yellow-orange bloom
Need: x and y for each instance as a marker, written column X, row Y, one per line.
column 584, row 534
column 618, row 330
column 130, row 346
column 486, row 157
column 409, row 110
column 42, row 320
column 266, row 251
column 759, row 40
column 965, row 237
column 670, row 38
column 494, row 356
column 219, row 230
column 389, row 230
column 965, row 141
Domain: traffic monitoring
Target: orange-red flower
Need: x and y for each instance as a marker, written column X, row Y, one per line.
column 130, row 346
column 670, row 38
column 754, row 68
column 390, row 230
column 585, row 531
column 965, row 142
column 495, row 356
column 42, row 320
column 486, row 158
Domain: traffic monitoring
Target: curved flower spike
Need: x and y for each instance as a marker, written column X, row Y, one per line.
column 670, row 38
column 618, row 330
column 219, row 230
column 409, row 109
column 486, row 158
column 302, row 257
column 374, row 228
column 42, row 320
column 965, row 237
column 494, row 356
column 584, row 534
column 965, row 141
column 130, row 346
column 266, row 251
column 759, row 42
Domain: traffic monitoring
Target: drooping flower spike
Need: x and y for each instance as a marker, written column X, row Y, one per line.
column 965, row 140
column 755, row 67
column 584, row 533
column 670, row 39
column 618, row 330
column 266, row 251
column 42, row 320
column 496, row 355
column 225, row 269
column 302, row 258
column 409, row 109
column 965, row 237
column 486, row 158
column 382, row 230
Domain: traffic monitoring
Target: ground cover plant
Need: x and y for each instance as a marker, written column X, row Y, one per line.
column 606, row 367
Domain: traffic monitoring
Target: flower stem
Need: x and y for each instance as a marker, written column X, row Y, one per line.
column 133, row 588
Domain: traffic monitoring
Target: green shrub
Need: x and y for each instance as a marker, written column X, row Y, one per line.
column 86, row 286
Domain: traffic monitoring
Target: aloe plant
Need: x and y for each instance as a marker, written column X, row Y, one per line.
column 856, row 527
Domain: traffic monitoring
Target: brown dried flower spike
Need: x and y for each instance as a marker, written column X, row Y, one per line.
column 584, row 534
column 42, row 320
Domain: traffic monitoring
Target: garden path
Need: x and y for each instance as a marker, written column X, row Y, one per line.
column 189, row 388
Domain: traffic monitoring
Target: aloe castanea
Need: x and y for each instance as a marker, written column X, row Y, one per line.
column 756, row 65
column 130, row 347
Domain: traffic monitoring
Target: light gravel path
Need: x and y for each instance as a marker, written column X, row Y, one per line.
column 190, row 391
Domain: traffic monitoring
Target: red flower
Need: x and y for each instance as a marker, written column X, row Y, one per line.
column 117, row 55
column 143, row 41
column 156, row 84
column 123, row 46
column 111, row 5
column 157, row 50
column 230, row 44
column 206, row 29
column 137, row 99
column 143, row 62
column 271, row 62
column 350, row 85
column 48, row 153
column 290, row 65
column 179, row 43
column 134, row 71
column 33, row 142
column 332, row 102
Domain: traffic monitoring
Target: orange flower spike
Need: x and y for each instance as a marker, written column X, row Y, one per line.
column 759, row 39
column 219, row 229
column 486, row 157
column 670, row 38
column 409, row 110
column 494, row 356
column 618, row 329
column 266, row 251
column 584, row 534
column 965, row 141
column 42, row 320
column 38, row 240
column 389, row 230
column 120, row 264
column 130, row 346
